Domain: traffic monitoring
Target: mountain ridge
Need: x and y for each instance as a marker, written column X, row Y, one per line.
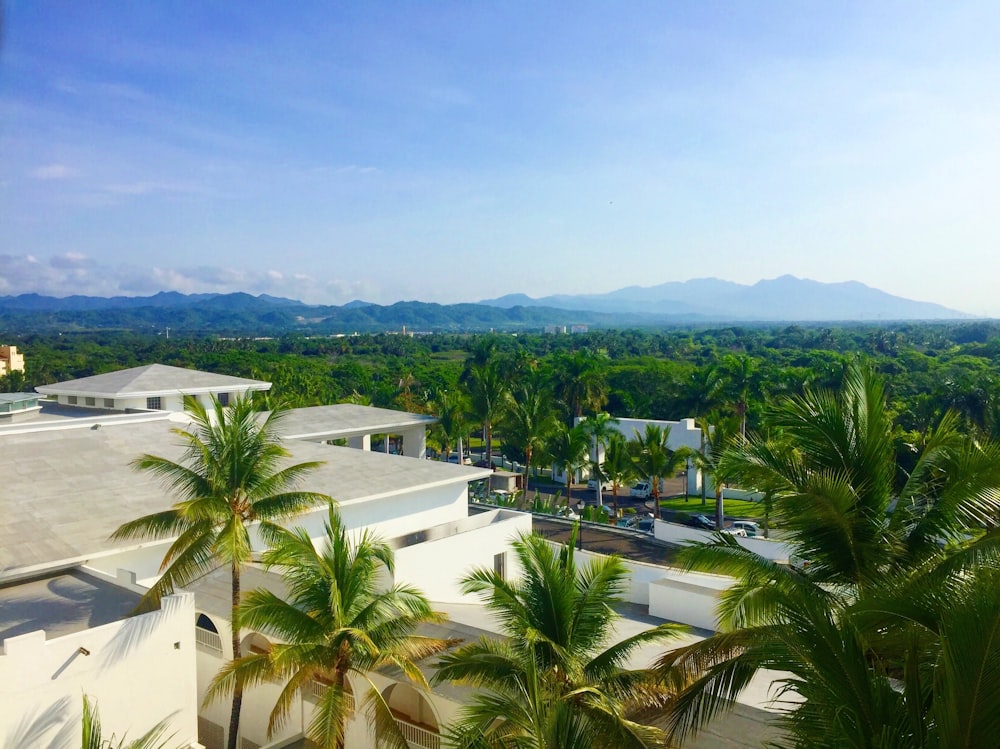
column 782, row 299
column 697, row 302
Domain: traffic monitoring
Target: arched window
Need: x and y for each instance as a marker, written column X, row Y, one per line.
column 206, row 634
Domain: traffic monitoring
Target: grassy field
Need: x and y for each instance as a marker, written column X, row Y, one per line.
column 738, row 508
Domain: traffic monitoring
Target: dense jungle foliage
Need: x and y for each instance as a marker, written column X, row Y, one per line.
column 669, row 374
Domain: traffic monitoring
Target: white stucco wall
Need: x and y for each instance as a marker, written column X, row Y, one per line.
column 681, row 534
column 435, row 567
column 687, row 597
column 139, row 671
column 394, row 515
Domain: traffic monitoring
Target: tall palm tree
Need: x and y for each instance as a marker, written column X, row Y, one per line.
column 450, row 408
column 715, row 440
column 556, row 681
column 335, row 622
column 581, row 382
column 599, row 428
column 655, row 460
column 742, row 384
column 568, row 449
column 618, row 467
column 488, row 390
column 829, row 465
column 233, row 474
column 530, row 421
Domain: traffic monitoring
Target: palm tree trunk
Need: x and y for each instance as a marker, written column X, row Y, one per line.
column 234, row 716
column 527, row 470
column 720, row 514
column 614, row 491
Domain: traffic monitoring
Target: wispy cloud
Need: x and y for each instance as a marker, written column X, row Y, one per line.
column 76, row 273
column 53, row 171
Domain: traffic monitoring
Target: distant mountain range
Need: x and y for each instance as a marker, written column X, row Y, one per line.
column 702, row 301
column 780, row 299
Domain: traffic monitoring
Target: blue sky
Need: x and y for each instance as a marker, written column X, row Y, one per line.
column 456, row 151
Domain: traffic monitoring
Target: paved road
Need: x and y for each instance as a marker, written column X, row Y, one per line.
column 606, row 541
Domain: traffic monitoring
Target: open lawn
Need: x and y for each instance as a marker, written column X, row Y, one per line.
column 738, row 508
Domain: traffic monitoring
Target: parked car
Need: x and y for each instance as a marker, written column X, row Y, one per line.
column 454, row 458
column 645, row 525
column 734, row 532
column 605, row 486
column 700, row 521
column 749, row 528
column 627, row 522
column 642, row 490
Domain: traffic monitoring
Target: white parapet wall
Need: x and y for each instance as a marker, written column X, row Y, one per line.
column 139, row 671
column 688, row 597
column 673, row 533
column 440, row 556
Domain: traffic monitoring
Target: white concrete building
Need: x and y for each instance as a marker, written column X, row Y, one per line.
column 66, row 483
column 153, row 387
column 683, row 433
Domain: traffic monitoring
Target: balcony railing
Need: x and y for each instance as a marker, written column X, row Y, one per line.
column 208, row 640
column 418, row 736
column 314, row 692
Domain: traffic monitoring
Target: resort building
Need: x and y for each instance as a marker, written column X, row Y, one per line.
column 66, row 589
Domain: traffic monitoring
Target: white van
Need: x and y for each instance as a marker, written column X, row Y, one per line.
column 747, row 526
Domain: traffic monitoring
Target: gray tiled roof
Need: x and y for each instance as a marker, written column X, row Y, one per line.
column 64, row 491
column 152, row 379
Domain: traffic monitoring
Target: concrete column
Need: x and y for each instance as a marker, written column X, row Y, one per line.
column 385, row 444
column 364, row 442
column 415, row 442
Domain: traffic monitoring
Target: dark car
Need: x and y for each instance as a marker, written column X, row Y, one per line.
column 700, row 521
column 645, row 525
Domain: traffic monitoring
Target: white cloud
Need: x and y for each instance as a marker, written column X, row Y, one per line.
column 75, row 273
column 53, row 171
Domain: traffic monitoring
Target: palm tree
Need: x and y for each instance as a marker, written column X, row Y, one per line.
column 450, row 409
column 231, row 475
column 618, row 467
column 93, row 735
column 715, row 440
column 599, row 428
column 554, row 682
column 742, row 383
column 655, row 460
column 488, row 393
column 568, row 449
column 871, row 544
column 580, row 382
column 530, row 421
column 334, row 622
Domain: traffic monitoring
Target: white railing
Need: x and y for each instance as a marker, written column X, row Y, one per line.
column 314, row 692
column 208, row 640
column 417, row 736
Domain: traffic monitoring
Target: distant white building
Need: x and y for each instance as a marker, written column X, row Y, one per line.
column 683, row 433
column 10, row 360
column 154, row 387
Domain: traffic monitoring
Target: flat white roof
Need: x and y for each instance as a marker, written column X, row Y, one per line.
column 347, row 420
column 152, row 380
column 66, row 490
